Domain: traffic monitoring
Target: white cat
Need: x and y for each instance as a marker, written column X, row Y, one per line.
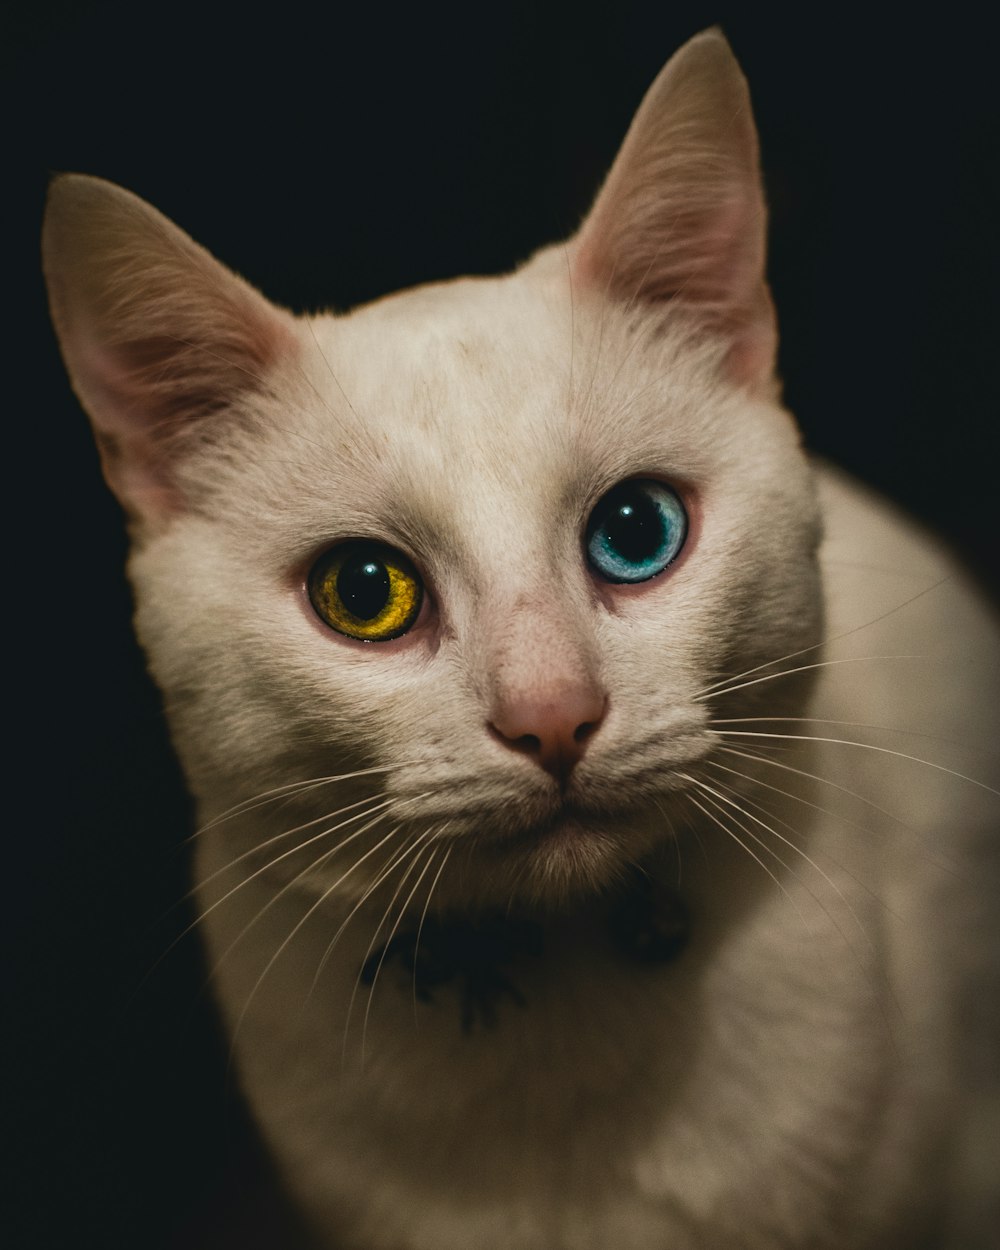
column 597, row 849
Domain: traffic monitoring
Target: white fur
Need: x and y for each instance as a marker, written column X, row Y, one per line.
column 812, row 1070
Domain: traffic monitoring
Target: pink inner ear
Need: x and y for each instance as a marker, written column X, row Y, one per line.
column 713, row 269
column 753, row 347
column 129, row 429
column 136, row 476
column 157, row 335
column 680, row 220
column 168, row 381
column 708, row 261
column 709, row 269
column 145, row 393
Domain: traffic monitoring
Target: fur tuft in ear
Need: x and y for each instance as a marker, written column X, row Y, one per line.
column 681, row 216
column 156, row 334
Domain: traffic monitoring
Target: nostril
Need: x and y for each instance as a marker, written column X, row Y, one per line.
column 582, row 732
column 530, row 744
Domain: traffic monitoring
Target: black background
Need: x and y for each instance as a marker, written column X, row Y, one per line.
column 332, row 154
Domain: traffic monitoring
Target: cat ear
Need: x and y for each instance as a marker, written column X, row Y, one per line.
column 681, row 217
column 156, row 334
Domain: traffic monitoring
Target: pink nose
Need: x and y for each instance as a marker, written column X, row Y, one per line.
column 552, row 727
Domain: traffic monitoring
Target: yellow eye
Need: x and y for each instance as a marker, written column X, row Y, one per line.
column 366, row 590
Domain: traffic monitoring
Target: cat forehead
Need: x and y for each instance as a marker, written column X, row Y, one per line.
column 443, row 356
column 484, row 407
column 513, row 377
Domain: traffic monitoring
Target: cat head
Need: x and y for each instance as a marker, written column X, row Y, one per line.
column 486, row 544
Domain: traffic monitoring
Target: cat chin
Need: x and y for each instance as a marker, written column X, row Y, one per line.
column 571, row 863
column 569, row 857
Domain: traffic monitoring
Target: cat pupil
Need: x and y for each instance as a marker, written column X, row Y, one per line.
column 363, row 586
column 635, row 530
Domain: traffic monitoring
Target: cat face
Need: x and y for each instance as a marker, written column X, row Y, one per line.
column 534, row 715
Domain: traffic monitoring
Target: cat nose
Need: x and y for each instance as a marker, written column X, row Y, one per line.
column 552, row 727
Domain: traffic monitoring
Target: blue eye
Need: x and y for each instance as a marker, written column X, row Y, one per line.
column 635, row 531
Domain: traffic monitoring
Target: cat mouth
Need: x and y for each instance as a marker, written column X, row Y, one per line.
column 590, row 815
column 567, row 822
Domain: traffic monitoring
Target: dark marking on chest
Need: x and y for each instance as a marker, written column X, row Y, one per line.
column 482, row 958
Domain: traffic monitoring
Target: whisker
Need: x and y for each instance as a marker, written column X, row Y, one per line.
column 585, row 406
column 413, row 844
column 381, row 806
column 423, row 914
column 835, row 638
column 712, row 693
column 867, row 567
column 416, row 843
column 299, row 846
column 325, row 360
column 382, row 798
column 851, row 742
column 298, row 926
column 572, row 326
column 791, row 829
column 279, row 792
column 876, row 989
column 739, row 841
column 392, row 933
column 808, row 859
column 826, row 781
column 801, row 772
column 790, row 794
column 673, row 837
column 265, row 385
column 825, row 720
column 384, row 872
column 313, row 866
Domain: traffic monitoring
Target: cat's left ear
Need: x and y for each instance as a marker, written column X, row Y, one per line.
column 161, row 341
column 681, row 216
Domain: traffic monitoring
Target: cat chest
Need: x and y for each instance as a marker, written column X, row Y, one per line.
column 561, row 1072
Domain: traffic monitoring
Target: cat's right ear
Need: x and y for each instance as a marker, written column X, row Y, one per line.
column 157, row 335
column 681, row 220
